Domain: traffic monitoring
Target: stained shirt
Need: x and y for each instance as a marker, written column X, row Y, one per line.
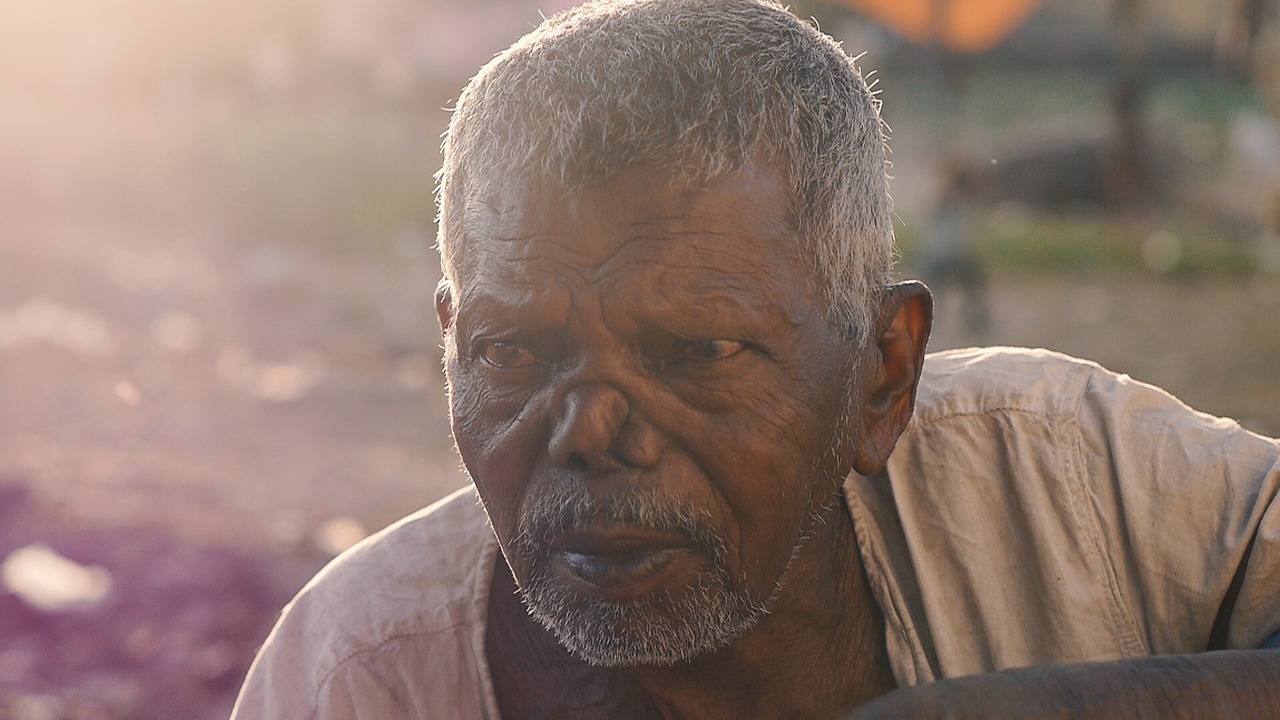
column 1037, row 510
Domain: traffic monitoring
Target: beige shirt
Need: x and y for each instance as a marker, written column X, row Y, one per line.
column 1039, row 509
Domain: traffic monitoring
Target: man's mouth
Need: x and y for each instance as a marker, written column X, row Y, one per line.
column 625, row 564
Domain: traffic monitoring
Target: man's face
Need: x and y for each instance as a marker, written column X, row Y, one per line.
column 650, row 402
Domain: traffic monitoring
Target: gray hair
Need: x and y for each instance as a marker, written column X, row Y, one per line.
column 697, row 86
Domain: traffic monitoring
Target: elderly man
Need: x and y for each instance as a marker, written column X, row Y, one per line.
column 714, row 474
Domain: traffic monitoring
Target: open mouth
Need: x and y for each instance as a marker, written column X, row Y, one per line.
column 622, row 564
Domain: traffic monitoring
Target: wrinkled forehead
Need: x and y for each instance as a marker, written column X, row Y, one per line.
column 518, row 218
column 509, row 200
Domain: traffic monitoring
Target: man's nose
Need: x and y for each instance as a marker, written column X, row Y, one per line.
column 596, row 432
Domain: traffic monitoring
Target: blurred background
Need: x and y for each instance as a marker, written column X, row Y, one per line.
column 219, row 364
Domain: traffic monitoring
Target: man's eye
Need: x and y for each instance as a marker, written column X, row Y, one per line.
column 507, row 354
column 709, row 350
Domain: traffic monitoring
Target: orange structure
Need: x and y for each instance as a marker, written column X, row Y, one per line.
column 966, row 26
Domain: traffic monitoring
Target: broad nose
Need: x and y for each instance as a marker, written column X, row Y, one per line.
column 597, row 432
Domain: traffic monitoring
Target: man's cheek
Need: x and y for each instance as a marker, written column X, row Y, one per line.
column 500, row 444
column 485, row 414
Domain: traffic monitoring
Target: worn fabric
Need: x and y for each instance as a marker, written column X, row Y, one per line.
column 1039, row 509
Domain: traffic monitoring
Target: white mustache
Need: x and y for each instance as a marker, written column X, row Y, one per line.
column 568, row 504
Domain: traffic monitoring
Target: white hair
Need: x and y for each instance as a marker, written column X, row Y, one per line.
column 697, row 86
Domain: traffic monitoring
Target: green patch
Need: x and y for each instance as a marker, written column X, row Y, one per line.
column 1053, row 244
column 1057, row 243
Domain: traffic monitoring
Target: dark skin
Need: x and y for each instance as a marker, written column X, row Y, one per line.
column 643, row 335
column 714, row 376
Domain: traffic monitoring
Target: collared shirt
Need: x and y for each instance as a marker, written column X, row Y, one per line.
column 1037, row 510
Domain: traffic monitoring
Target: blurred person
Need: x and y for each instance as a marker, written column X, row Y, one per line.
column 714, row 473
column 1250, row 42
column 950, row 256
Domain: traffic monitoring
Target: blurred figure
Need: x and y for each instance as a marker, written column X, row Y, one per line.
column 950, row 259
column 1250, row 43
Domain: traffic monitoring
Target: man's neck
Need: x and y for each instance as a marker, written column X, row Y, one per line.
column 819, row 652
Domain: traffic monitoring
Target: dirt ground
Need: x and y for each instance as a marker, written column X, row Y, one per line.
column 239, row 413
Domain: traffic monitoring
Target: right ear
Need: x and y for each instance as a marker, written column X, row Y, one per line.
column 444, row 305
column 891, row 372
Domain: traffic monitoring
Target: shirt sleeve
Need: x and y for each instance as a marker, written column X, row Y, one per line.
column 352, row 691
column 393, row 628
column 424, row 675
column 1187, row 507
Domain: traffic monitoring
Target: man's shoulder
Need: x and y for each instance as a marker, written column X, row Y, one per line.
column 1101, row 404
column 427, row 573
column 418, row 568
column 1025, row 518
column 394, row 625
column 982, row 381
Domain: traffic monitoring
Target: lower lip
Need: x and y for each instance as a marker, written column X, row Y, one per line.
column 623, row 576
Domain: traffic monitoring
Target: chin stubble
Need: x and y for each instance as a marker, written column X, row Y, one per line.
column 659, row 629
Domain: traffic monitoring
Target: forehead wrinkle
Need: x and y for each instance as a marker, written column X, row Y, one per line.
column 505, row 284
column 705, row 274
column 658, row 230
column 609, row 252
column 601, row 234
column 710, row 303
column 514, row 223
column 518, row 260
column 713, row 302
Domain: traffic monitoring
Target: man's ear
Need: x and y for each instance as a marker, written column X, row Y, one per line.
column 444, row 305
column 890, row 372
